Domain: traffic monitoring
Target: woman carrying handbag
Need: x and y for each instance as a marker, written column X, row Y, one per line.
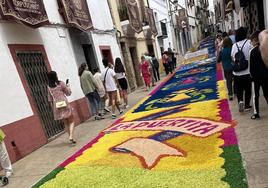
column 57, row 92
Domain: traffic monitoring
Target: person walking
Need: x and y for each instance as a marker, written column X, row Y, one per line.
column 57, row 92
column 121, row 77
column 218, row 43
column 165, row 62
column 231, row 34
column 151, row 67
column 111, row 85
column 101, row 91
column 240, row 56
column 4, row 157
column 259, row 74
column 145, row 72
column 226, row 60
column 156, row 68
column 172, row 59
column 90, row 89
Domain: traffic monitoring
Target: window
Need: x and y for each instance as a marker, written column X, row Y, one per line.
column 163, row 28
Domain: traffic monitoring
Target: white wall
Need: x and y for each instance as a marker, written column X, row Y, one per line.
column 161, row 9
column 105, row 40
column 52, row 7
column 13, row 99
column 61, row 58
column 100, row 14
column 102, row 21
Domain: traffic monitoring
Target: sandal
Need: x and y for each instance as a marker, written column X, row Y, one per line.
column 72, row 141
column 255, row 116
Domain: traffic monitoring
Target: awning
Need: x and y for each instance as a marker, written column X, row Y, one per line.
column 152, row 25
column 76, row 14
column 29, row 12
column 134, row 15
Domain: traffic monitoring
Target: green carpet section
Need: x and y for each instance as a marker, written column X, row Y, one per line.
column 235, row 172
column 48, row 177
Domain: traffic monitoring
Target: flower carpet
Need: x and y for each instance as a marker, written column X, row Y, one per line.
column 181, row 135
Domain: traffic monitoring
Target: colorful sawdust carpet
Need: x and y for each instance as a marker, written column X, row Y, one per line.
column 181, row 135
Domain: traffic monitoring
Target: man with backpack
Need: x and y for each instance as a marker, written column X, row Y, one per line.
column 240, row 56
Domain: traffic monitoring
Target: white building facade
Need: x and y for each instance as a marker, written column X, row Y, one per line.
column 165, row 39
column 27, row 55
column 251, row 14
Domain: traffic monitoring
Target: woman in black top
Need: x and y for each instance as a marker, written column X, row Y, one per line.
column 259, row 74
column 121, row 77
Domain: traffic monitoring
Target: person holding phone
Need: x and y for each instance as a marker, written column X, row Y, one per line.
column 57, row 92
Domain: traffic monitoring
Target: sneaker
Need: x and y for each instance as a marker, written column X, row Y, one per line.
column 97, row 117
column 127, row 106
column 121, row 112
column 72, row 141
column 113, row 116
column 255, row 116
column 241, row 106
column 248, row 108
column 8, row 174
column 107, row 110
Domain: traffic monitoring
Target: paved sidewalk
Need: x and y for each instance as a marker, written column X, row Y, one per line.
column 36, row 165
column 253, row 142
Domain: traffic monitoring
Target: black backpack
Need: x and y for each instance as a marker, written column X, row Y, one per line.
column 240, row 63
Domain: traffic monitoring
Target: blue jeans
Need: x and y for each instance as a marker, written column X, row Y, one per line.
column 94, row 100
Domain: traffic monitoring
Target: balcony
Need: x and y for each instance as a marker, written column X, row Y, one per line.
column 124, row 20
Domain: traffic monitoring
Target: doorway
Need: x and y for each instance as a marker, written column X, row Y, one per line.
column 33, row 69
column 107, row 53
column 135, row 61
column 83, row 48
column 89, row 55
column 150, row 48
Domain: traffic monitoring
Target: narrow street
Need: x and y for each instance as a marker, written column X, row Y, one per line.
column 251, row 138
column 191, row 76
